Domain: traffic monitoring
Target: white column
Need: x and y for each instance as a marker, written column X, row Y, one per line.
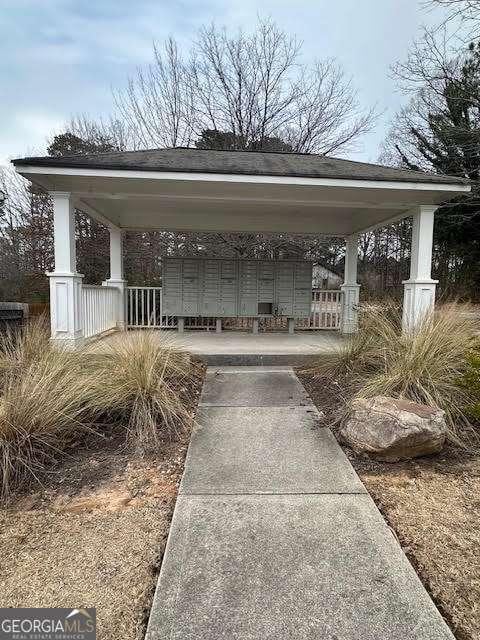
column 116, row 273
column 419, row 289
column 66, row 311
column 350, row 287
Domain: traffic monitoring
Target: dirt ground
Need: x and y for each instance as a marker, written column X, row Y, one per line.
column 94, row 534
column 433, row 506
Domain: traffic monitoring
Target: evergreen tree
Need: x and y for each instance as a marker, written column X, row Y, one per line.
column 439, row 131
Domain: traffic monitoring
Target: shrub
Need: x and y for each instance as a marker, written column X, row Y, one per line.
column 425, row 366
column 143, row 379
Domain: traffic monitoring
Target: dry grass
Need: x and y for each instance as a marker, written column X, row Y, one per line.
column 143, row 378
column 94, row 531
column 433, row 506
column 18, row 349
column 139, row 383
column 42, row 410
column 427, row 366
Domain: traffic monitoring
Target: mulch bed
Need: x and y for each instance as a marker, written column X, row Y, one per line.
column 433, row 506
column 94, row 534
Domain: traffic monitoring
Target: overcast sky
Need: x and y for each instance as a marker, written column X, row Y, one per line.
column 60, row 57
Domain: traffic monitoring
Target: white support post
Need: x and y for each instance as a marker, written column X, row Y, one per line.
column 66, row 311
column 116, row 273
column 419, row 289
column 350, row 287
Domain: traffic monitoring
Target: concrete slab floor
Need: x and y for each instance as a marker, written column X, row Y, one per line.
column 237, row 343
column 242, row 348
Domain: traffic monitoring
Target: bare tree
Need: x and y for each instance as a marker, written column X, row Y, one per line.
column 439, row 128
column 252, row 86
column 326, row 116
column 439, row 131
column 26, row 226
column 156, row 105
column 429, row 64
column 112, row 134
column 464, row 15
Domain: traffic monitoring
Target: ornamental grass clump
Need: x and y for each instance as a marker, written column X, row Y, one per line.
column 19, row 348
column 42, row 411
column 142, row 380
column 427, row 365
column 138, row 384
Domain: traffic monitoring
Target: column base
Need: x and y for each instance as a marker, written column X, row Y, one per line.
column 418, row 302
column 121, row 285
column 66, row 312
column 351, row 297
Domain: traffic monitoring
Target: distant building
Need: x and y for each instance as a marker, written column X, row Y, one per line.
column 324, row 278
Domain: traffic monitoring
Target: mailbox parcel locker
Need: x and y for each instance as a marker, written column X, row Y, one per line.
column 227, row 288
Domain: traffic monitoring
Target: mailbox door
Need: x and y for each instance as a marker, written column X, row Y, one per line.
column 303, row 290
column 228, row 288
column 248, row 288
column 191, row 287
column 284, row 287
column 266, row 287
column 172, row 287
column 211, row 288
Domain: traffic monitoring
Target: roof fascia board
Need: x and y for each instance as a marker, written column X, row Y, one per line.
column 243, row 178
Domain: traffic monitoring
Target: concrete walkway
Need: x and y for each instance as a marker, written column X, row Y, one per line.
column 274, row 537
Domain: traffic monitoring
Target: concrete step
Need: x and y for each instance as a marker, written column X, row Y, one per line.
column 257, row 359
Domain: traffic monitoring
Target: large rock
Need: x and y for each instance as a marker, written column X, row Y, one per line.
column 390, row 429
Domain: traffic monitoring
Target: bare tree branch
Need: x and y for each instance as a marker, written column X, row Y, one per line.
column 253, row 87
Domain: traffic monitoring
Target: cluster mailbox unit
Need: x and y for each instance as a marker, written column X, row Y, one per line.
column 223, row 288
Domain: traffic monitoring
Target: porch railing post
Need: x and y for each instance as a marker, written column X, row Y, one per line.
column 350, row 287
column 116, row 278
column 66, row 312
column 419, row 289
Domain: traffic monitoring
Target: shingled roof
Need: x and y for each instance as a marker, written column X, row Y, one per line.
column 238, row 162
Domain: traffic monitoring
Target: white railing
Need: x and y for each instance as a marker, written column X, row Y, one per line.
column 326, row 309
column 100, row 306
column 144, row 310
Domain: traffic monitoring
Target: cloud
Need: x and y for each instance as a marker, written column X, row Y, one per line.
column 33, row 128
column 61, row 57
